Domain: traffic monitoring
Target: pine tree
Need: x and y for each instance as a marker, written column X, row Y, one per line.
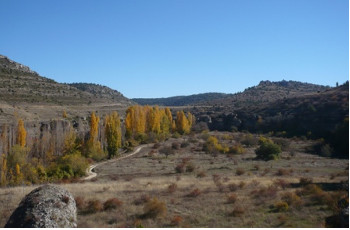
column 113, row 133
column 21, row 133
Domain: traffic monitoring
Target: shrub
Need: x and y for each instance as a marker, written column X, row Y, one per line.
column 232, row 198
column 194, row 193
column 167, row 151
column 281, row 206
column 282, row 172
column 94, row 206
column 281, row 183
column 180, row 168
column 142, row 199
column 176, row 220
column 190, row 167
column 240, row 171
column 233, row 187
column 184, row 144
column 265, row 192
column 236, row 149
column 154, row 208
column 175, row 145
column 237, row 211
column 201, row 174
column 249, row 140
column 291, row 198
column 283, row 143
column 112, row 203
column 172, row 188
column 267, row 150
column 80, row 203
column 156, row 146
column 305, row 181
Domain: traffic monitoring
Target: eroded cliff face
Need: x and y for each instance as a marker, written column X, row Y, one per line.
column 42, row 136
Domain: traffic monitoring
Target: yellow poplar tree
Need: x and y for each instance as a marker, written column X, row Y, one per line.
column 3, row 171
column 113, row 133
column 182, row 124
column 21, row 133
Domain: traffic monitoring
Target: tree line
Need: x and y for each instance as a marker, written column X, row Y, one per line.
column 49, row 160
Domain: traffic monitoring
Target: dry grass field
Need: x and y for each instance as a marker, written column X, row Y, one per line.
column 189, row 188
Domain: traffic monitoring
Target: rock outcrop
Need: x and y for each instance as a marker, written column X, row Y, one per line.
column 45, row 207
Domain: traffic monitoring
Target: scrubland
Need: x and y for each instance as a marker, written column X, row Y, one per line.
column 180, row 183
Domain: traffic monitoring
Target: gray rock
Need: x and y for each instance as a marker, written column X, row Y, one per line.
column 45, row 207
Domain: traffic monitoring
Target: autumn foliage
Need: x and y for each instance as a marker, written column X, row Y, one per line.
column 142, row 120
column 21, row 133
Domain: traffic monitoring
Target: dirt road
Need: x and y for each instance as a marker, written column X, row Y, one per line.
column 92, row 174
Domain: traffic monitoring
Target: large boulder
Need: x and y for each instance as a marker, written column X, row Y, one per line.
column 45, row 207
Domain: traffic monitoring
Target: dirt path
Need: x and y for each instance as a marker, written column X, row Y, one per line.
column 92, row 174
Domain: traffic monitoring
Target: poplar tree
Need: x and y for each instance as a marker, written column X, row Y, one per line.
column 113, row 133
column 21, row 133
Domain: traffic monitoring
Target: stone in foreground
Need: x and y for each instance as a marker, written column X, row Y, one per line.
column 45, row 207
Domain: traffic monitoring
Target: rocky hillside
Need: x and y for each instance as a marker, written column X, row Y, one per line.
column 19, row 84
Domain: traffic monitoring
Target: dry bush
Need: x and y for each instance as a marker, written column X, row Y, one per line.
column 256, row 167
column 291, row 199
column 281, row 183
column 172, row 188
column 266, row 171
column 233, row 187
column 175, row 145
column 190, row 167
column 283, row 219
column 216, row 178
column 280, row 206
column 176, row 221
column 249, row 140
column 94, row 206
column 184, row 144
column 269, row 192
column 231, row 199
column 201, row 174
column 194, row 193
column 112, row 203
column 156, row 146
column 237, row 211
column 283, row 172
column 180, row 168
column 310, row 189
column 154, row 208
column 305, row 181
column 152, row 153
column 142, row 199
column 242, row 184
column 236, row 149
column 80, row 203
column 240, row 171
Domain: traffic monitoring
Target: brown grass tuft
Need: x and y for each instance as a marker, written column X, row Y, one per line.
column 172, row 188
column 231, row 199
column 194, row 193
column 112, row 203
column 176, row 221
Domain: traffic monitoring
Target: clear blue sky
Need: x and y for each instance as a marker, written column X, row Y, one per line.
column 160, row 48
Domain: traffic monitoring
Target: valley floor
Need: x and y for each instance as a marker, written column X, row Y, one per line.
column 213, row 191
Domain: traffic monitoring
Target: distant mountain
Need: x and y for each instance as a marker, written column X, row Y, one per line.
column 265, row 92
column 180, row 100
